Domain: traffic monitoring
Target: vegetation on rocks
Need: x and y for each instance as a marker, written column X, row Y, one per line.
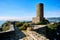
column 51, row 30
column 5, row 27
column 21, row 25
column 53, row 26
column 0, row 29
column 24, row 26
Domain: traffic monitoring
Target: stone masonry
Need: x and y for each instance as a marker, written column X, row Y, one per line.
column 39, row 14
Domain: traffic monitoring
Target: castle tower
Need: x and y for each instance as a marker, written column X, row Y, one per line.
column 39, row 14
column 39, row 11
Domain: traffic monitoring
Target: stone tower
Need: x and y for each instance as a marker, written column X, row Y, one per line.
column 39, row 14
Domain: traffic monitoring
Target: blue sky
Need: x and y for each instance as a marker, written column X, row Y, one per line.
column 27, row 8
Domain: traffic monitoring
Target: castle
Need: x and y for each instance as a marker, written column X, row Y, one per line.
column 39, row 14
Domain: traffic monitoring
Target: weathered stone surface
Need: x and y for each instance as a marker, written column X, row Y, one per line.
column 39, row 14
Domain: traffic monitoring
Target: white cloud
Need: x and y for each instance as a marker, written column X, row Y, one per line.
column 14, row 18
column 52, row 14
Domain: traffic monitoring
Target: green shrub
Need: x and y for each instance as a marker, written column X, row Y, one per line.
column 5, row 28
column 18, row 24
column 0, row 29
column 24, row 26
column 53, row 26
column 51, row 29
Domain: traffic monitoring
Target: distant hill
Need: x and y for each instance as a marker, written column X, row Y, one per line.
column 54, row 19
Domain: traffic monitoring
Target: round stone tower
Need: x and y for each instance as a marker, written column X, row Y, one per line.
column 39, row 14
column 39, row 11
